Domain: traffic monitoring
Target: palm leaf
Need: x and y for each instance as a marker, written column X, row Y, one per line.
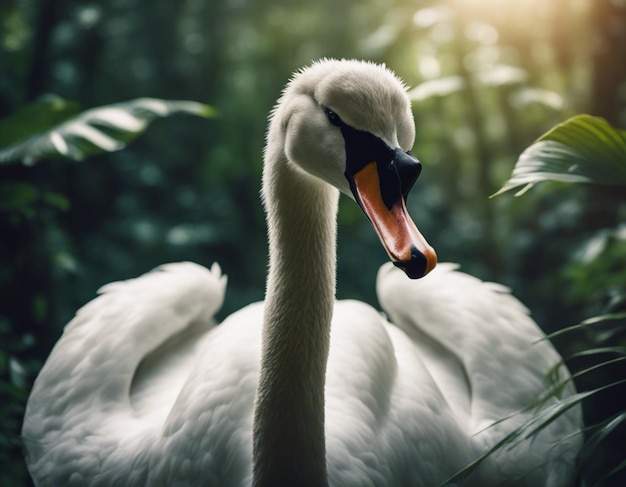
column 44, row 131
column 583, row 149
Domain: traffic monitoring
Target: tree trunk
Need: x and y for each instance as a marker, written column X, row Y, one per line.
column 608, row 55
column 38, row 77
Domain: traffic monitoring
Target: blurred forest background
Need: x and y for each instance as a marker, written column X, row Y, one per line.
column 489, row 77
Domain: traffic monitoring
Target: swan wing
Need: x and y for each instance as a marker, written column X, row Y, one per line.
column 117, row 370
column 490, row 362
column 387, row 422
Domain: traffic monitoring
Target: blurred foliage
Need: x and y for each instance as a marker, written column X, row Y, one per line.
column 489, row 77
column 50, row 127
column 583, row 149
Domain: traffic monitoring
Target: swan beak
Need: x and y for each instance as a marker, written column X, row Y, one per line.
column 382, row 196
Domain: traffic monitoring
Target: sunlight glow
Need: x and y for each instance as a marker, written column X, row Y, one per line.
column 506, row 11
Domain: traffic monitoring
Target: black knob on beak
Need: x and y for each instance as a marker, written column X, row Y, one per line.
column 408, row 169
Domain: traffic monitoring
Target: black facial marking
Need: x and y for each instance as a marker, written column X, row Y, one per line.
column 397, row 170
column 362, row 148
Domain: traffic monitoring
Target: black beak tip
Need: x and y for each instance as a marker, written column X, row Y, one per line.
column 416, row 267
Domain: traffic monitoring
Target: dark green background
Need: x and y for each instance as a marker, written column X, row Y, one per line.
column 188, row 188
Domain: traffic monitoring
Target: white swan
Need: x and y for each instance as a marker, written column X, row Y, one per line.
column 143, row 389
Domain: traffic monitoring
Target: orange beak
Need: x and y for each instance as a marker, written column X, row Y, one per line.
column 404, row 243
column 380, row 179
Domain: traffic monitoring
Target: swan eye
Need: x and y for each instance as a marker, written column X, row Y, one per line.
column 333, row 118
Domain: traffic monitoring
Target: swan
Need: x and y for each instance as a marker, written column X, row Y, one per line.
column 144, row 388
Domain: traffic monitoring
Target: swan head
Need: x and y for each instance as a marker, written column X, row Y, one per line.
column 349, row 124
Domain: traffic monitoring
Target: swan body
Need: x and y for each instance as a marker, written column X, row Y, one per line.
column 144, row 388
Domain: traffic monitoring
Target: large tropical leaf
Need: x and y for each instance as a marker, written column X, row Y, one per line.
column 54, row 127
column 38, row 116
column 583, row 149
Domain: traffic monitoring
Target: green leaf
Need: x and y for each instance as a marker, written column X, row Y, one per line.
column 594, row 441
column 502, row 75
column 600, row 320
column 18, row 198
column 104, row 129
column 437, row 88
column 15, row 196
column 57, row 201
column 527, row 95
column 583, row 149
column 618, row 468
column 535, row 424
column 38, row 116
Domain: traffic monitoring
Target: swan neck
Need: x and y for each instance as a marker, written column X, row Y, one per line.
column 289, row 440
